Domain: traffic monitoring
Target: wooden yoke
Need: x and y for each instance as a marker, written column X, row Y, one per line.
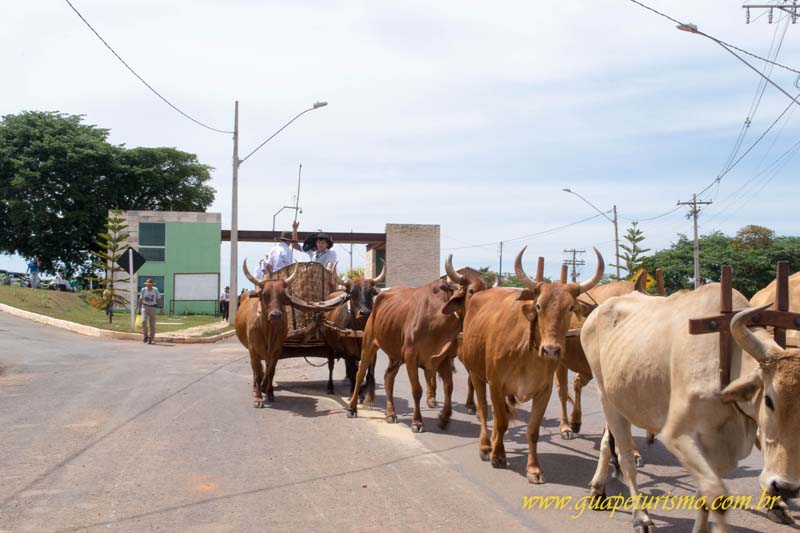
column 780, row 319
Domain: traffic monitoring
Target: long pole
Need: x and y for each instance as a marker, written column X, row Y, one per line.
column 616, row 239
column 133, row 296
column 500, row 268
column 694, row 203
column 234, row 221
column 696, row 244
column 297, row 202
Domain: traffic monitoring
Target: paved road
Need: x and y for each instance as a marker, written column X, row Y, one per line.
column 114, row 435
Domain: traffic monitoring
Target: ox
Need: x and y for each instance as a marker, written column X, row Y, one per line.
column 353, row 316
column 419, row 327
column 767, row 294
column 514, row 340
column 262, row 326
column 574, row 359
column 652, row 373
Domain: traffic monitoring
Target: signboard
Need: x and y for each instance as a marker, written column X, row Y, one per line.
column 138, row 260
column 649, row 280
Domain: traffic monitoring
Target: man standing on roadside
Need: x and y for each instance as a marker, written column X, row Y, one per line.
column 33, row 268
column 149, row 302
column 225, row 302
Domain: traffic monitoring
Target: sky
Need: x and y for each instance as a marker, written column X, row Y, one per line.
column 470, row 115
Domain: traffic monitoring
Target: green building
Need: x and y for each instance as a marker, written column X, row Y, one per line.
column 182, row 250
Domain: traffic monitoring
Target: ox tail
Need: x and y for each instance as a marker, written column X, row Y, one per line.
column 651, row 438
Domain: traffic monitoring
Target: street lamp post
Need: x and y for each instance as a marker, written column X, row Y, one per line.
column 612, row 220
column 692, row 28
column 281, row 209
column 234, row 192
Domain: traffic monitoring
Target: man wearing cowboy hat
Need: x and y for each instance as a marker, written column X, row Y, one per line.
column 319, row 247
column 149, row 302
column 281, row 254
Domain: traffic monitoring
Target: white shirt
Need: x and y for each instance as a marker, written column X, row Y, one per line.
column 280, row 256
column 328, row 256
column 149, row 297
column 225, row 296
column 58, row 280
column 261, row 270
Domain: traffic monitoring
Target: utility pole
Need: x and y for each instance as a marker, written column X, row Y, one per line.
column 616, row 239
column 791, row 9
column 234, row 222
column 574, row 262
column 500, row 269
column 694, row 203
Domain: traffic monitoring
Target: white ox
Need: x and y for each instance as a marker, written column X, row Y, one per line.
column 652, row 373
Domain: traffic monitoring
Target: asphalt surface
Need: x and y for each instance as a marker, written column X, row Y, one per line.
column 100, row 435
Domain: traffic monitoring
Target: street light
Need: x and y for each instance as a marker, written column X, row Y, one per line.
column 692, row 28
column 613, row 221
column 235, row 203
column 297, row 210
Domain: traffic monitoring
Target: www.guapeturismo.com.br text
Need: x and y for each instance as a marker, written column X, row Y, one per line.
column 663, row 502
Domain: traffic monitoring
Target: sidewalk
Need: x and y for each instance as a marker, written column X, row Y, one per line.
column 186, row 336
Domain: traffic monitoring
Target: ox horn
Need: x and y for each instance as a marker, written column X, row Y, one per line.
column 760, row 350
column 496, row 280
column 454, row 276
column 523, row 277
column 249, row 276
column 598, row 275
column 317, row 307
column 382, row 277
column 290, row 279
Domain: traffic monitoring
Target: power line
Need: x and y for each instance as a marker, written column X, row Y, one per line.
column 718, row 41
column 650, row 218
column 173, row 106
column 524, row 237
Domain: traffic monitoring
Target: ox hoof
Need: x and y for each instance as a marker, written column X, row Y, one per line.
column 484, row 455
column 352, row 413
column 433, row 404
column 331, row 390
column 644, row 526
column 391, row 419
column 258, row 404
column 536, row 479
column 779, row 515
column 499, row 462
column 597, row 502
column 639, row 461
column 576, row 427
column 471, row 411
column 443, row 422
column 417, row 428
column 567, row 434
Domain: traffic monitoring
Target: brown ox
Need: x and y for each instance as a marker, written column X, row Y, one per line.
column 652, row 373
column 514, row 340
column 262, row 326
column 418, row 327
column 767, row 294
column 353, row 316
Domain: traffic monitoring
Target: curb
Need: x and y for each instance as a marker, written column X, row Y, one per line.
column 107, row 334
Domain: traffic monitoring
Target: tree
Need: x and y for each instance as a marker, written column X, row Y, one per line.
column 753, row 237
column 753, row 267
column 111, row 247
column 59, row 177
column 633, row 255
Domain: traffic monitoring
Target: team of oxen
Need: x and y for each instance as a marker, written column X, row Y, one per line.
column 650, row 372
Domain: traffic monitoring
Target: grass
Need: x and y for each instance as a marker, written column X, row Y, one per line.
column 70, row 306
column 212, row 332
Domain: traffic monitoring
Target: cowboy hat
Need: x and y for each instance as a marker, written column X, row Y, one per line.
column 285, row 236
column 311, row 242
